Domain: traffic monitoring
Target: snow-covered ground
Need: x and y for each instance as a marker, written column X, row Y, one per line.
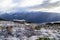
column 24, row 33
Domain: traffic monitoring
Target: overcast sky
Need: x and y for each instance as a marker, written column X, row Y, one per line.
column 29, row 5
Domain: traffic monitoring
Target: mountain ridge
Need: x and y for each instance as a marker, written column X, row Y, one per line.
column 34, row 17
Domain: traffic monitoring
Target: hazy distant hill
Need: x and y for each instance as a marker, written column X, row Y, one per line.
column 2, row 19
column 35, row 17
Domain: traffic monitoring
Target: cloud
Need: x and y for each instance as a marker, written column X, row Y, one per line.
column 28, row 5
column 6, row 5
column 14, row 5
column 47, row 6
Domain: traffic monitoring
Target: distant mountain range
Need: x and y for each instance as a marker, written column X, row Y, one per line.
column 2, row 19
column 34, row 17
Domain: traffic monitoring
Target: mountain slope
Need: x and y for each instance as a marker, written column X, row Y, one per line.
column 35, row 17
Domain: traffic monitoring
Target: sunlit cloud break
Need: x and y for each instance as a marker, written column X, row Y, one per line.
column 29, row 5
